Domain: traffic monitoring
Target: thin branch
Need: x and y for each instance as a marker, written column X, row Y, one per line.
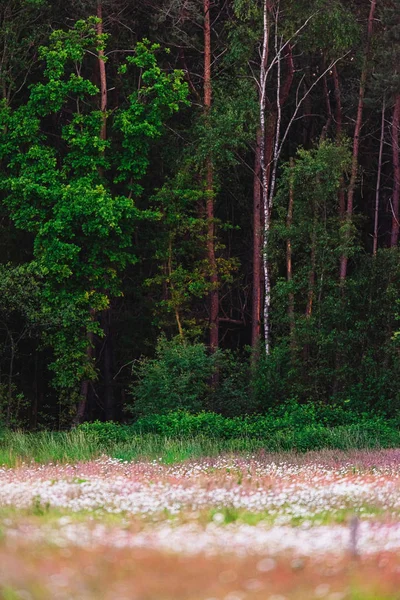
column 305, row 96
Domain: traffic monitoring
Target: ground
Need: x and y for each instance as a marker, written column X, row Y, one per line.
column 263, row 527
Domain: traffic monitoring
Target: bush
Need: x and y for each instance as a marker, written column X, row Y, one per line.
column 329, row 415
column 107, row 433
column 291, row 426
column 177, row 378
column 295, row 433
column 182, row 424
column 268, row 432
column 233, row 395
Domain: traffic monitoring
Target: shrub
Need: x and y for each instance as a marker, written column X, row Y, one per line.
column 107, row 433
column 233, row 395
column 177, row 378
column 328, row 414
column 291, row 426
column 296, row 433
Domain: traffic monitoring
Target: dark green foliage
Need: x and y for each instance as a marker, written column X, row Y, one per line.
column 297, row 428
column 332, row 29
column 22, row 320
column 178, row 377
column 289, row 418
column 186, row 376
column 107, row 433
column 61, row 188
column 104, row 231
column 233, row 395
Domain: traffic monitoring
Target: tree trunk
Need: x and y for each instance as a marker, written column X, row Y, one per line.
column 325, row 129
column 356, row 144
column 289, row 272
column 265, row 173
column 264, row 144
column 257, row 243
column 378, row 182
column 214, row 294
column 339, row 128
column 270, row 153
column 103, row 135
column 109, row 399
column 84, row 391
column 394, row 238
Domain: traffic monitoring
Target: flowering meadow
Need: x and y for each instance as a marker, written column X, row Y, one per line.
column 271, row 527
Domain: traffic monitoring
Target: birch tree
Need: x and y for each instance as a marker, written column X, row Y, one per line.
column 282, row 49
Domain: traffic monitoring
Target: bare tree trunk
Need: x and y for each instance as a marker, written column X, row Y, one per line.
column 339, row 128
column 338, row 102
column 394, row 238
column 356, row 144
column 289, row 272
column 269, row 169
column 80, row 414
column 265, row 173
column 257, row 242
column 265, row 148
column 327, row 125
column 378, row 182
column 214, row 293
column 176, row 309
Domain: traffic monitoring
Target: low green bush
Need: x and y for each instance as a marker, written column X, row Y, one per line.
column 178, row 377
column 301, row 430
column 179, row 436
column 107, row 433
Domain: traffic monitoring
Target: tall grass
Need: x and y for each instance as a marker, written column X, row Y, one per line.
column 77, row 445
column 17, row 447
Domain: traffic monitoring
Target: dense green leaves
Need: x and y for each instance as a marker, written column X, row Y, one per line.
column 105, row 234
column 60, row 185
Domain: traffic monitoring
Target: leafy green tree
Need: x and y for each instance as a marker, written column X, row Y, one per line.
column 306, row 302
column 73, row 190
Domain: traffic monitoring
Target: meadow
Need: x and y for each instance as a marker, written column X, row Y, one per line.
column 230, row 526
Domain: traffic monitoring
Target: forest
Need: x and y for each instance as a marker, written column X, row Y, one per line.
column 199, row 209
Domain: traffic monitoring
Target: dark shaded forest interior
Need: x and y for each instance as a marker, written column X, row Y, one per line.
column 199, row 207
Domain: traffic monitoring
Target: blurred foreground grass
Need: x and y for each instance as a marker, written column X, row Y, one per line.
column 45, row 572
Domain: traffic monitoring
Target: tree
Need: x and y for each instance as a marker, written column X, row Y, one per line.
column 356, row 144
column 74, row 188
column 274, row 131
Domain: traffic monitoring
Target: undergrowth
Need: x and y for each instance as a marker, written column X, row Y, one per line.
column 180, row 436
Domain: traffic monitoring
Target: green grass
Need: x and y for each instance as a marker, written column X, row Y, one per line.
column 78, row 445
column 75, row 446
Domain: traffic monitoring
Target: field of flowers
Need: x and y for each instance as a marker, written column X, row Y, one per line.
column 266, row 527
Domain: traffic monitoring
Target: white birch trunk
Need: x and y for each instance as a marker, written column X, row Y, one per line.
column 264, row 176
column 268, row 187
